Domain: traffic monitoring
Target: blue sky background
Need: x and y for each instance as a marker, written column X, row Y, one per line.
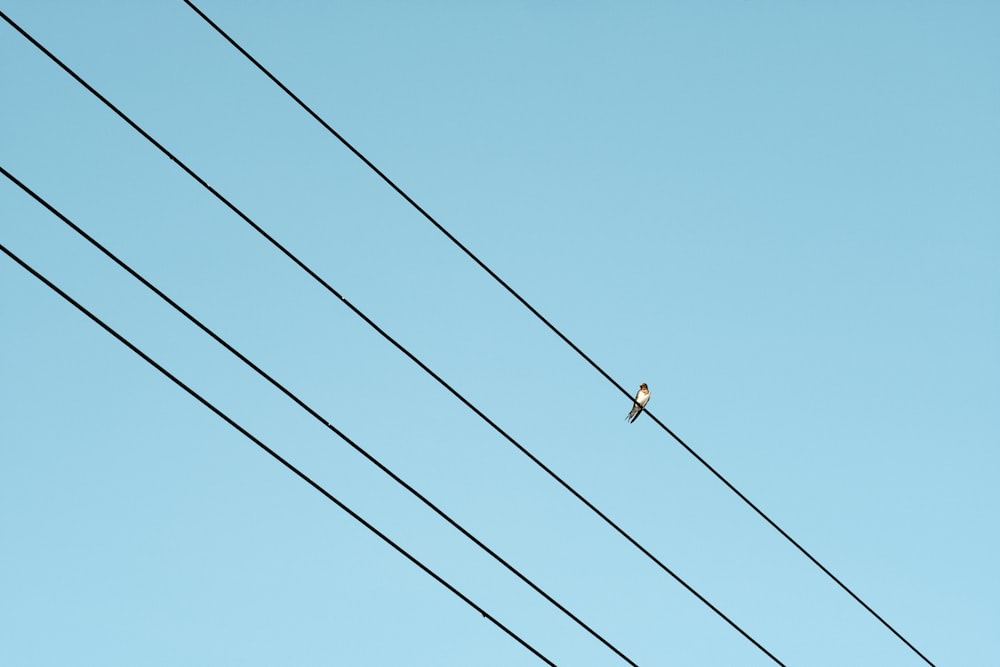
column 784, row 218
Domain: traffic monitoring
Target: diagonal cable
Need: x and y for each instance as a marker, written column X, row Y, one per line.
column 323, row 420
column 273, row 454
column 386, row 336
column 548, row 324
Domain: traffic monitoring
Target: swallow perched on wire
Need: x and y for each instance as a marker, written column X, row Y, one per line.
column 641, row 399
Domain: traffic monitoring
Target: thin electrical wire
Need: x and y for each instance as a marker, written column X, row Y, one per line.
column 546, row 322
column 389, row 338
column 226, row 418
column 312, row 412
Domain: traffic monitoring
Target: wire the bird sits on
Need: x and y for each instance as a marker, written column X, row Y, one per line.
column 226, row 418
column 342, row 299
column 541, row 318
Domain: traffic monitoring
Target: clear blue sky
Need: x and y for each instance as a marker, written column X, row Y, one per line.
column 784, row 218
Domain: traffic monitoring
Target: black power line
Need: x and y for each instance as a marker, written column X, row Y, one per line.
column 385, row 335
column 546, row 322
column 226, row 418
column 218, row 339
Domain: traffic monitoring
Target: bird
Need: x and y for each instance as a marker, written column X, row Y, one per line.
column 641, row 398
